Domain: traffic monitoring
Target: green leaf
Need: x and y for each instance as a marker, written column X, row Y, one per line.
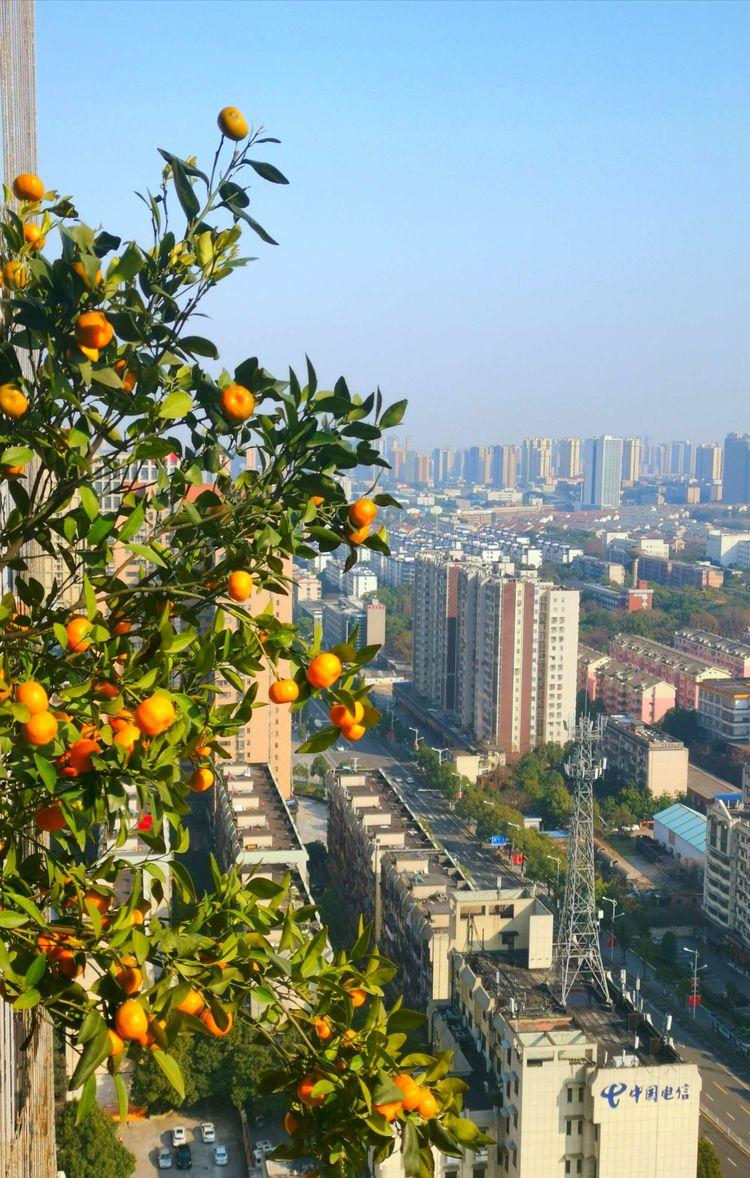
column 410, row 1151
column 405, row 1020
column 96, row 1050
column 171, row 1070
column 124, row 269
column 16, row 456
column 184, row 189
column 268, row 172
column 36, row 970
column 122, row 1097
column 176, row 405
column 393, row 414
column 86, row 1099
column 12, row 919
column 197, row 345
column 385, row 1090
column 319, row 741
column 107, row 377
column 27, row 1000
column 47, row 772
column 89, row 501
column 465, row 1131
column 133, row 523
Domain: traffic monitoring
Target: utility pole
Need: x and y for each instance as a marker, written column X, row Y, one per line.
column 696, row 970
column 578, row 953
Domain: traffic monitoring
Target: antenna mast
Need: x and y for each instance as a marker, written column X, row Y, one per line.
column 577, row 951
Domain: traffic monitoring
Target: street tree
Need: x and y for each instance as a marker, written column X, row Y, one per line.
column 90, row 1149
column 131, row 552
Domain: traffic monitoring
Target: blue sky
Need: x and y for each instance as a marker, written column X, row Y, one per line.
column 527, row 218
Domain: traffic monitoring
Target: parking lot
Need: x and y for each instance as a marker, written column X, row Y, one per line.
column 146, row 1138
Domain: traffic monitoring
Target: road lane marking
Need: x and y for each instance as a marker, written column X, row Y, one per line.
column 708, row 1094
column 733, row 1163
column 720, row 1088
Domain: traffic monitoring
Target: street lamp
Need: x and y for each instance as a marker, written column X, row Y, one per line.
column 460, row 779
column 696, row 970
column 558, row 861
column 440, row 754
column 416, row 738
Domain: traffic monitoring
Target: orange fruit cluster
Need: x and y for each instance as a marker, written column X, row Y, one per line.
column 360, row 517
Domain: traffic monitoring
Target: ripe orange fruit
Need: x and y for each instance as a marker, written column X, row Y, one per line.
column 11, row 473
column 155, row 714
column 203, row 750
column 50, row 818
column 232, row 123
column 66, row 963
column 237, row 402
column 91, row 354
column 213, row 1027
column 427, row 1106
column 124, row 626
column 127, row 736
column 33, row 695
column 126, row 375
column 80, row 754
column 324, row 670
column 75, row 630
column 137, row 916
column 33, row 236
column 412, row 1093
column 131, row 1020
column 201, row 780
column 27, row 186
column 343, row 718
column 14, row 275
column 98, row 901
column 12, row 401
column 362, row 513
column 291, row 1124
column 192, row 1003
column 358, row 996
column 353, row 731
column 283, row 691
column 81, row 272
column 116, row 1044
column 108, row 690
column 128, row 976
column 359, row 536
column 41, row 729
column 239, row 585
column 317, row 500
column 322, row 1028
column 390, row 1110
column 93, row 330
column 305, row 1087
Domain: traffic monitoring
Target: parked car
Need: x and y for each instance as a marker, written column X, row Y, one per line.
column 221, row 1157
column 165, row 1158
column 183, row 1157
column 208, row 1132
column 179, row 1135
column 261, row 1148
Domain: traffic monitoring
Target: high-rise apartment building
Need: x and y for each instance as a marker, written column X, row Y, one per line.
column 708, row 462
column 736, row 483
column 681, row 458
column 498, row 651
column 602, row 472
column 423, row 468
column 536, row 459
column 569, row 465
column 503, row 467
column 441, row 466
column 726, row 892
column 435, row 580
column 477, row 464
column 631, row 460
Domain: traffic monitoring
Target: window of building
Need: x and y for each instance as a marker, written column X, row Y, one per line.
column 568, row 1128
column 450, row 1173
column 478, row 1172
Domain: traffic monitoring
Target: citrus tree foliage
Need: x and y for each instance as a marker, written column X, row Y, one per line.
column 130, row 546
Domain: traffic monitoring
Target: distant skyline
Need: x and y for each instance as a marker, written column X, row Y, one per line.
column 527, row 218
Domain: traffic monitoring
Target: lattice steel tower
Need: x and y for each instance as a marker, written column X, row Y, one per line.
column 578, row 955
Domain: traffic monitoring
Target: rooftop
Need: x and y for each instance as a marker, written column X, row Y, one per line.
column 665, row 654
column 387, row 804
column 729, row 688
column 715, row 641
column 685, row 822
column 534, row 1014
column 707, row 785
column 644, row 732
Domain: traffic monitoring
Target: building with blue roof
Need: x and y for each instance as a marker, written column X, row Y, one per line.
column 682, row 832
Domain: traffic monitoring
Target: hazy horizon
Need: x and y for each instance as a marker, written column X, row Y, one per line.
column 527, row 218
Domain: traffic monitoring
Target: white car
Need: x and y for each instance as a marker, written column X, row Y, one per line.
column 261, row 1149
column 221, row 1157
column 208, row 1132
column 165, row 1159
column 179, row 1135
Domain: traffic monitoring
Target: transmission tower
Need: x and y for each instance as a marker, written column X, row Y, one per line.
column 578, row 954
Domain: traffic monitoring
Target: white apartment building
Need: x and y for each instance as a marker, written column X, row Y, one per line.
column 589, row 1090
column 726, row 881
column 729, row 549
